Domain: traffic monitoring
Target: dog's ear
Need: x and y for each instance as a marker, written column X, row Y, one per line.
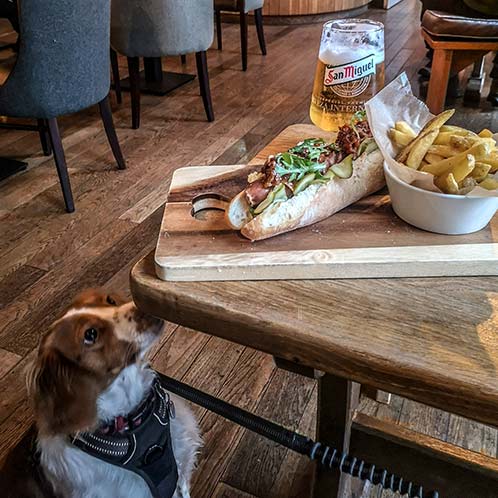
column 64, row 395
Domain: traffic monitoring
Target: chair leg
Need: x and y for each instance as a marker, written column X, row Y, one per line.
column 472, row 95
column 438, row 84
column 493, row 91
column 203, row 76
column 60, row 163
column 133, row 69
column 183, row 59
column 115, row 75
column 219, row 35
column 44, row 137
column 110, row 131
column 258, row 19
column 243, row 38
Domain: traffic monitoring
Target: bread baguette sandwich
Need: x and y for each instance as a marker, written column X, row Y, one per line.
column 308, row 183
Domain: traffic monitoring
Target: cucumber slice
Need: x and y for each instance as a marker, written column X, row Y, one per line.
column 280, row 194
column 265, row 203
column 320, row 181
column 344, row 169
column 330, row 174
column 363, row 146
column 304, row 182
column 371, row 146
column 368, row 145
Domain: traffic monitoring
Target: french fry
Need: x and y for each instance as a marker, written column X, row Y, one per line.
column 489, row 183
column 492, row 160
column 458, row 158
column 460, row 143
column 433, row 158
column 485, row 133
column 437, row 121
column 480, row 171
column 444, row 136
column 463, row 168
column 420, row 148
column 463, row 143
column 466, row 185
column 446, row 183
column 443, row 150
column 452, row 128
column 399, row 137
column 479, row 151
column 434, row 124
column 405, row 128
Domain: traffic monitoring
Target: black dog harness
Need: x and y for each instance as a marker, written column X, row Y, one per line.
column 140, row 442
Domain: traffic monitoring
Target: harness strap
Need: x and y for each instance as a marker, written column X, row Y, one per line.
column 145, row 450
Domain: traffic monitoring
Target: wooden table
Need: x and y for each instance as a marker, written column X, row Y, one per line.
column 434, row 340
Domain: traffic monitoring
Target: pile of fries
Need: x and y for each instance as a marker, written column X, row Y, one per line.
column 458, row 158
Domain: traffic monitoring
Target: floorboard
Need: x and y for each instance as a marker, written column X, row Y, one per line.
column 47, row 256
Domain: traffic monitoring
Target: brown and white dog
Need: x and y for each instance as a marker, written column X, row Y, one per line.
column 90, row 371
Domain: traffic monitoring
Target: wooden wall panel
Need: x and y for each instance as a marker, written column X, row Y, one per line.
column 304, row 7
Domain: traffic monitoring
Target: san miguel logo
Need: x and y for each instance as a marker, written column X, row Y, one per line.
column 351, row 79
column 337, row 75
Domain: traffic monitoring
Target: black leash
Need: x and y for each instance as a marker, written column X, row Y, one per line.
column 327, row 457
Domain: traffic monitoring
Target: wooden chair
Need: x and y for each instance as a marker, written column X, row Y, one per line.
column 457, row 42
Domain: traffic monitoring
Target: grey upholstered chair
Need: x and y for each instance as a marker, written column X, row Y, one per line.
column 62, row 67
column 157, row 28
column 242, row 7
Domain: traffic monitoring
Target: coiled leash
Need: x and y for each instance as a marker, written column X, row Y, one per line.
column 327, row 457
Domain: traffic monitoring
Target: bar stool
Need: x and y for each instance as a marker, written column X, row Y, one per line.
column 242, row 7
column 157, row 28
column 457, row 42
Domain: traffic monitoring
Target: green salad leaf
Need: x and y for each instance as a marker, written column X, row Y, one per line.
column 296, row 166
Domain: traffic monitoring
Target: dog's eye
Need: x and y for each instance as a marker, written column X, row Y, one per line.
column 111, row 301
column 90, row 336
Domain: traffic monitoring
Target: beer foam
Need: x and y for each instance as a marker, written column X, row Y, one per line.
column 336, row 55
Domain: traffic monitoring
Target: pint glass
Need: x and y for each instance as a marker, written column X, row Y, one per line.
column 350, row 70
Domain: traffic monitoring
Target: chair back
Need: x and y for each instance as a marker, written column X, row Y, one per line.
column 63, row 61
column 156, row 28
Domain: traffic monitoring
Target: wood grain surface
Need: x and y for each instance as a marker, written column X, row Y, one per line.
column 433, row 340
column 364, row 240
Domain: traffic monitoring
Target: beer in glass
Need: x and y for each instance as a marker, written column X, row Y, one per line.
column 349, row 72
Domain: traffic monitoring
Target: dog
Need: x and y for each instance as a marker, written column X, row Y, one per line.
column 98, row 407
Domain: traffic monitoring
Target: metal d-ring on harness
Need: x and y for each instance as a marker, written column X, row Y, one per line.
column 327, row 457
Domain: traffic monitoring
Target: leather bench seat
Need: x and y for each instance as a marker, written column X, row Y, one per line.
column 444, row 25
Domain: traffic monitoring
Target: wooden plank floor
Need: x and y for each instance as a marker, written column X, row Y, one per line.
column 47, row 256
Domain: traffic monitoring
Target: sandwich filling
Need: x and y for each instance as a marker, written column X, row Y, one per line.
column 310, row 162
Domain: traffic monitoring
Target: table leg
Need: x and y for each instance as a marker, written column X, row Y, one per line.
column 337, row 401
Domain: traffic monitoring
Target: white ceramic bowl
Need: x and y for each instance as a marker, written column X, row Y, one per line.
column 440, row 213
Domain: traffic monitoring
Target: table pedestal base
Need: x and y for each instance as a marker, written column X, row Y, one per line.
column 9, row 167
column 155, row 81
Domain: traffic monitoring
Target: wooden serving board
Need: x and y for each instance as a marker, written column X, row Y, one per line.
column 364, row 240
